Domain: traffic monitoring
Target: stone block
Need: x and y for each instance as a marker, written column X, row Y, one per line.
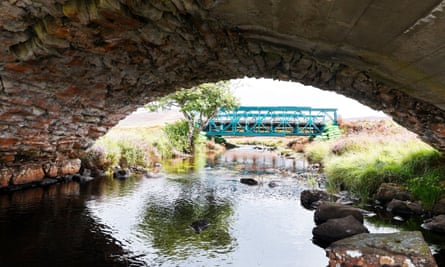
column 5, row 177
column 71, row 166
column 28, row 174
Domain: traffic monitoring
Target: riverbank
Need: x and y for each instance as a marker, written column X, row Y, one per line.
column 370, row 153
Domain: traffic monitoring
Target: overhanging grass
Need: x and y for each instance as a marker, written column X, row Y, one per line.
column 361, row 163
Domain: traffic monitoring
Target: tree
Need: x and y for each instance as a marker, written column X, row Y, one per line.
column 198, row 105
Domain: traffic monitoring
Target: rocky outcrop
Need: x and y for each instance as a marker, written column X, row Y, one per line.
column 34, row 174
column 377, row 250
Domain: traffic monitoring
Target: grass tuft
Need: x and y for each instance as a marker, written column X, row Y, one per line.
column 361, row 162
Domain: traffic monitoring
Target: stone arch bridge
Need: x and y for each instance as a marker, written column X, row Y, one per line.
column 71, row 69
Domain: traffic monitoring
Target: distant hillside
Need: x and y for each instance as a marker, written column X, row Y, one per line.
column 142, row 118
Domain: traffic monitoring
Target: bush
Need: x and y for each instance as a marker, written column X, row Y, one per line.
column 176, row 134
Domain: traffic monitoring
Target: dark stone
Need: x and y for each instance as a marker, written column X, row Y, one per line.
column 311, row 199
column 389, row 191
column 435, row 224
column 121, row 174
column 249, row 181
column 336, row 229
column 82, row 179
column 439, row 207
column 48, row 181
column 330, row 210
column 200, row 225
column 272, row 184
column 404, row 208
column 378, row 250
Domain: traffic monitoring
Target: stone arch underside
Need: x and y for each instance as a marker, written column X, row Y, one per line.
column 71, row 69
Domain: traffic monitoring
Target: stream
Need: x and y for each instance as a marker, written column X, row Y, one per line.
column 145, row 221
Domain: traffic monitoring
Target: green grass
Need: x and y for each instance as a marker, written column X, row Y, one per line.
column 130, row 147
column 361, row 163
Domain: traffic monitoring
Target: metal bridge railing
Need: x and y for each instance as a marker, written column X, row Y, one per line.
column 271, row 121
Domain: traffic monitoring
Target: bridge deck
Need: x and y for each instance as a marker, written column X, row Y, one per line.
column 271, row 121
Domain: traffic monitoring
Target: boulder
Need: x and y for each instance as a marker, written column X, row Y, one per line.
column 121, row 174
column 248, row 181
column 311, row 199
column 439, row 207
column 404, row 208
column 336, row 229
column 389, row 191
column 377, row 250
column 330, row 210
column 435, row 224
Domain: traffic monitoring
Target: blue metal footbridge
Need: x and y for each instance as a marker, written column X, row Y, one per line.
column 271, row 121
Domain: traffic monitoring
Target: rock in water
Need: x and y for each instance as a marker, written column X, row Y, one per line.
column 311, row 199
column 435, row 224
column 376, row 250
column 336, row 229
column 249, row 181
column 389, row 191
column 121, row 174
column 330, row 210
column 199, row 225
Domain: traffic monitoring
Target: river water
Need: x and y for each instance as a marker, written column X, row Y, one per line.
column 146, row 221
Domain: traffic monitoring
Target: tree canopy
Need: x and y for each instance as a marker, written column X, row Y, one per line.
column 198, row 105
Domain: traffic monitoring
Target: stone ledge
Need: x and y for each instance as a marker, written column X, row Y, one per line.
column 407, row 249
column 35, row 173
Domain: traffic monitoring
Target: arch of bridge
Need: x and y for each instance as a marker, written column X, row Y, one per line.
column 71, row 69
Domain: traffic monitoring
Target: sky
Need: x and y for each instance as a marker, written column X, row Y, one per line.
column 268, row 92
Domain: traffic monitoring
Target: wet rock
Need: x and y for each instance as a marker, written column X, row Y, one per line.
column 272, row 184
column 336, row 229
column 377, row 250
column 389, row 191
column 439, row 207
column 330, row 210
column 435, row 224
column 249, row 181
column 404, row 208
column 82, row 179
column 121, row 174
column 200, row 225
column 48, row 181
column 311, row 199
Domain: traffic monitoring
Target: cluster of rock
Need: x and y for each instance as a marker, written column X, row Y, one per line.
column 340, row 229
column 399, row 202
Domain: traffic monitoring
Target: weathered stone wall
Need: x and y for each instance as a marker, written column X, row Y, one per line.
column 70, row 70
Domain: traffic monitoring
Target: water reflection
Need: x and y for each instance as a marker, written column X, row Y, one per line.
column 52, row 227
column 166, row 224
column 146, row 221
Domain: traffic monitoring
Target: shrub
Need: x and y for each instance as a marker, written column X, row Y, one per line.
column 176, row 134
